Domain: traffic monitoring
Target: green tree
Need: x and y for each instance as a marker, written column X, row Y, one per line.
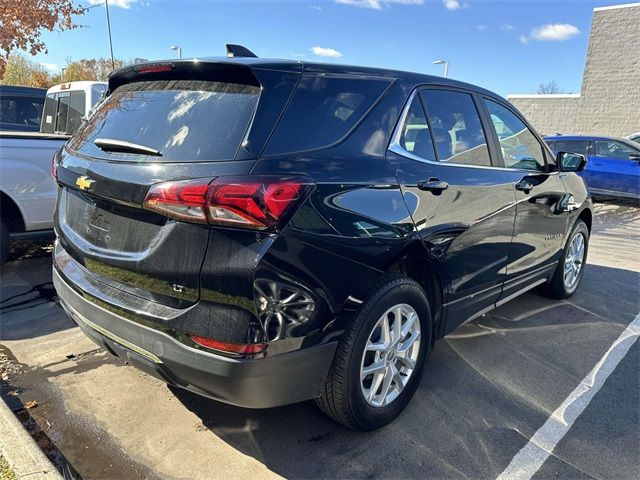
column 90, row 69
column 22, row 71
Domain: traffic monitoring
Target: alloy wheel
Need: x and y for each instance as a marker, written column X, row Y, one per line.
column 390, row 355
column 574, row 260
column 281, row 307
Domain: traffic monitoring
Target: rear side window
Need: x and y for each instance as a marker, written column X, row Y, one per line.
column 184, row 120
column 582, row 147
column 414, row 136
column 456, row 127
column 322, row 111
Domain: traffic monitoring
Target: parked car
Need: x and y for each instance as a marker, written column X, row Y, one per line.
column 634, row 137
column 613, row 167
column 68, row 104
column 264, row 232
column 27, row 190
column 21, row 108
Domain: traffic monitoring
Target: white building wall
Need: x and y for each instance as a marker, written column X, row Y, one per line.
column 609, row 102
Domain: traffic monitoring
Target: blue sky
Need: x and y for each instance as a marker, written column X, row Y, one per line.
column 506, row 46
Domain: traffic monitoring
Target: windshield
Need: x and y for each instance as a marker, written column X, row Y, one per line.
column 183, row 120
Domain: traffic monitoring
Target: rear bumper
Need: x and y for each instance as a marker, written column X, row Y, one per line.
column 34, row 235
column 254, row 383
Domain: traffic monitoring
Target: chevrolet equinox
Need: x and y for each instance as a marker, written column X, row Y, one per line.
column 264, row 232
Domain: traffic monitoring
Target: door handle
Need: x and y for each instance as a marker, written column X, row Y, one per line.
column 433, row 185
column 524, row 186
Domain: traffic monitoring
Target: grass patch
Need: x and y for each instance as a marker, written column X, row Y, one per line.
column 6, row 473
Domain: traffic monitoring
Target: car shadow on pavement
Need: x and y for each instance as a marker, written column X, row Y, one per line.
column 29, row 305
column 487, row 388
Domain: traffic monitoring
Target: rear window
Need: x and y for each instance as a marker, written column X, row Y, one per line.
column 23, row 111
column 63, row 112
column 183, row 120
column 322, row 111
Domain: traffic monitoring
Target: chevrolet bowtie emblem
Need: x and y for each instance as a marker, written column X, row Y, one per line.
column 84, row 182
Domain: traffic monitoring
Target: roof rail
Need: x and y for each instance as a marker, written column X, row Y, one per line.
column 239, row 51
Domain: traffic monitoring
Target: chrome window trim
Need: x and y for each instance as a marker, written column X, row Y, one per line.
column 396, row 148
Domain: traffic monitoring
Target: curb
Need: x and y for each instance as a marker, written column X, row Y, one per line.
column 21, row 451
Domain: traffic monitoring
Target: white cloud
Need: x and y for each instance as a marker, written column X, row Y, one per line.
column 554, row 32
column 114, row 3
column 454, row 4
column 316, row 7
column 506, row 26
column 379, row 4
column 52, row 67
column 524, row 39
column 481, row 27
column 326, row 52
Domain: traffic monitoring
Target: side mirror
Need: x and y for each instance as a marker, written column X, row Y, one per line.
column 571, row 162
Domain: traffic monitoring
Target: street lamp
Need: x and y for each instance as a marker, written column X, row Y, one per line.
column 179, row 49
column 446, row 66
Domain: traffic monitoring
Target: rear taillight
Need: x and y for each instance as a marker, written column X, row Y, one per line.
column 154, row 67
column 184, row 201
column 250, row 202
column 227, row 347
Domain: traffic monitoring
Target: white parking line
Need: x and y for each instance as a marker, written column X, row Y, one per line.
column 529, row 460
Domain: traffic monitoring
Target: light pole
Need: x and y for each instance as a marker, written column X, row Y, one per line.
column 106, row 5
column 446, row 66
column 179, row 49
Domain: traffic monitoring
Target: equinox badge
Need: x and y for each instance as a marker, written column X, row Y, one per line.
column 84, row 182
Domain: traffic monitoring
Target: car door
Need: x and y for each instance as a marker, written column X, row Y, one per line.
column 541, row 222
column 611, row 170
column 463, row 207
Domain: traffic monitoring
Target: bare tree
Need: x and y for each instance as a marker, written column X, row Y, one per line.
column 550, row 87
column 23, row 21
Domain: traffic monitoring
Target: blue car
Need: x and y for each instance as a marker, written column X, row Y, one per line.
column 613, row 167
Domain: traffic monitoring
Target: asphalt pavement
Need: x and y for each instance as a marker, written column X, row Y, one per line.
column 488, row 388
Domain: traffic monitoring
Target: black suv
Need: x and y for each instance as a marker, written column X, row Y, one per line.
column 264, row 232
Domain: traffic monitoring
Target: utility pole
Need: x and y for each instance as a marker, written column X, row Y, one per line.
column 113, row 63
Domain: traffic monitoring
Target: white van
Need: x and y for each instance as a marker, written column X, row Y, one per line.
column 67, row 104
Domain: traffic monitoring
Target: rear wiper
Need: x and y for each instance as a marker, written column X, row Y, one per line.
column 111, row 145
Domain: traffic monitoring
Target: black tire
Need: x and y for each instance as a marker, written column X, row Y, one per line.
column 5, row 242
column 557, row 288
column 342, row 398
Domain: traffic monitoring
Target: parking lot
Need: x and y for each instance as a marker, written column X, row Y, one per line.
column 489, row 387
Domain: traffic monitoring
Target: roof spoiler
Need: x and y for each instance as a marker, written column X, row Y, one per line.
column 239, row 51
